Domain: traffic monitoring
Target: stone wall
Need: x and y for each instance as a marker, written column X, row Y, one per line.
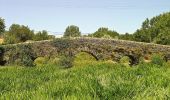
column 101, row 49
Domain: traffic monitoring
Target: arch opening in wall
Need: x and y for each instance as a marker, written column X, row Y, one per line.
column 125, row 60
column 84, row 58
column 167, row 58
column 133, row 60
column 129, row 60
column 2, row 61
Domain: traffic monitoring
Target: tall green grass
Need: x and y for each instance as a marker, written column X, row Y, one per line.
column 84, row 58
column 86, row 81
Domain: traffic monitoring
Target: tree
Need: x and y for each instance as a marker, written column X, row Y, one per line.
column 41, row 36
column 72, row 31
column 2, row 26
column 164, row 37
column 154, row 30
column 142, row 36
column 126, row 36
column 9, row 38
column 18, row 33
column 146, row 24
column 103, row 32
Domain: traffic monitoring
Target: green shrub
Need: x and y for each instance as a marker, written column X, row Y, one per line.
column 40, row 61
column 141, row 60
column 27, row 61
column 125, row 60
column 66, row 61
column 24, row 61
column 107, row 37
column 157, row 59
column 21, row 55
column 54, row 61
column 83, row 58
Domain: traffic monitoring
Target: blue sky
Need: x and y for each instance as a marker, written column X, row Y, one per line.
column 55, row 15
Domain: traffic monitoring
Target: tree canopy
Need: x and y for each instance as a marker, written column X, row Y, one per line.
column 42, row 35
column 72, row 31
column 126, row 36
column 156, row 30
column 2, row 26
column 105, row 32
column 18, row 33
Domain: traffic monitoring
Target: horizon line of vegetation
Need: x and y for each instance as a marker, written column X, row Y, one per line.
column 154, row 30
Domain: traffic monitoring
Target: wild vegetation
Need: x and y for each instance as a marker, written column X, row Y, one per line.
column 72, row 31
column 104, row 33
column 20, row 33
column 2, row 26
column 88, row 79
column 83, row 76
column 154, row 30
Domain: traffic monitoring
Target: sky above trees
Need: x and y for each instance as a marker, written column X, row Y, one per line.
column 55, row 15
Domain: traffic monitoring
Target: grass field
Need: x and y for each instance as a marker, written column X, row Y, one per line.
column 101, row 80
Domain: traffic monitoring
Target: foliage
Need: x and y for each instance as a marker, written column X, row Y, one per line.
column 107, row 37
column 142, row 36
column 2, row 26
column 84, row 58
column 81, row 58
column 155, row 30
column 42, row 36
column 40, row 61
column 62, row 43
column 125, row 59
column 26, row 61
column 9, row 38
column 126, row 36
column 98, row 81
column 26, row 56
column 18, row 33
column 66, row 61
column 54, row 61
column 21, row 55
column 72, row 31
column 163, row 37
column 157, row 59
column 102, row 32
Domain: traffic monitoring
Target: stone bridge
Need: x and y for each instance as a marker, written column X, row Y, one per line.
column 101, row 49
